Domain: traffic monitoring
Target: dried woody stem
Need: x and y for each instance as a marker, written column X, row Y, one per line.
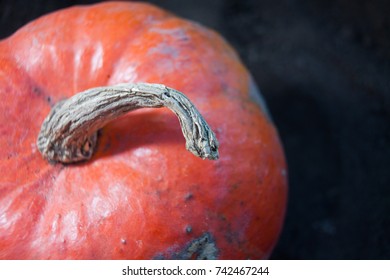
column 69, row 132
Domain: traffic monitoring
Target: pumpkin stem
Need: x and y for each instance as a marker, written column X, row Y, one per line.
column 69, row 132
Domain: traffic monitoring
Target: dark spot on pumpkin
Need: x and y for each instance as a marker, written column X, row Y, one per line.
column 230, row 235
column 235, row 186
column 222, row 217
column 202, row 248
column 36, row 91
column 162, row 194
column 188, row 229
column 39, row 93
column 188, row 196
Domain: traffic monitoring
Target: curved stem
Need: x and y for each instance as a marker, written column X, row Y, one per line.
column 69, row 132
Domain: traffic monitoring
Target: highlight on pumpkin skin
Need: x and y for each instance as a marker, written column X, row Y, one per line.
column 69, row 132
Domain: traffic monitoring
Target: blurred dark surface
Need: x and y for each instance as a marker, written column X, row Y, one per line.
column 324, row 69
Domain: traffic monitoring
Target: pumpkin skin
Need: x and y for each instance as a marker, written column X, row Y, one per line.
column 142, row 195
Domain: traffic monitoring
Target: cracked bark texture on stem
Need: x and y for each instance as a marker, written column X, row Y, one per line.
column 69, row 132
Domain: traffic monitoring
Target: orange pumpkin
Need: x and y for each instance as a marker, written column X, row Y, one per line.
column 141, row 195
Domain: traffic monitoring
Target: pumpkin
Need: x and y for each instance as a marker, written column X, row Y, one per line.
column 140, row 195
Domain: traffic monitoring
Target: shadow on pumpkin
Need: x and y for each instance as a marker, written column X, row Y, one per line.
column 144, row 127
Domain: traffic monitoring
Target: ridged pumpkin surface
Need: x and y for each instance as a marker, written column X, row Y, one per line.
column 142, row 195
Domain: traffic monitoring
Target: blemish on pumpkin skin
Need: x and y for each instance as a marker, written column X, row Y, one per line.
column 235, row 186
column 38, row 92
column 177, row 33
column 202, row 248
column 164, row 49
column 158, row 193
column 123, row 241
column 222, row 217
column 188, row 229
column 188, row 196
column 49, row 100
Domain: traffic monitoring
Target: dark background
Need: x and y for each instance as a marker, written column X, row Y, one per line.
column 324, row 68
